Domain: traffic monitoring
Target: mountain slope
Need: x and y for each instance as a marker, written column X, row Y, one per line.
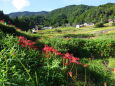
column 26, row 13
column 70, row 12
column 98, row 14
column 78, row 14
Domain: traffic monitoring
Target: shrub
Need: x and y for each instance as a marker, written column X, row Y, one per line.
column 24, row 66
column 16, row 63
column 7, row 29
column 99, row 25
column 84, row 48
column 57, row 30
column 100, row 72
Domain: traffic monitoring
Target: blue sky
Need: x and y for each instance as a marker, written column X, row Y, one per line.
column 9, row 6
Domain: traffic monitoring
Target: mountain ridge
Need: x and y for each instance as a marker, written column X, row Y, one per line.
column 27, row 13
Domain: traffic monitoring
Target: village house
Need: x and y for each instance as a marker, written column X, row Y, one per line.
column 77, row 26
column 35, row 30
column 88, row 24
column 84, row 25
column 47, row 28
column 111, row 21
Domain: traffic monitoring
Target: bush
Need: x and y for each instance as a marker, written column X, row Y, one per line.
column 57, row 30
column 97, row 48
column 99, row 25
column 23, row 66
column 7, row 29
column 100, row 72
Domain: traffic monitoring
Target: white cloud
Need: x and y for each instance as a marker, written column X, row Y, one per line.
column 20, row 4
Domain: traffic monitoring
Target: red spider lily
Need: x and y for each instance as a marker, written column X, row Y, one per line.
column 53, row 50
column 85, row 65
column 67, row 56
column 47, row 49
column 27, row 43
column 66, row 64
column 113, row 69
column 2, row 21
column 21, row 38
column 58, row 53
column 74, row 60
column 70, row 74
column 71, row 58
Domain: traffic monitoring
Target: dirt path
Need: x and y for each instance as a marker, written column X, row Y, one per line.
column 103, row 31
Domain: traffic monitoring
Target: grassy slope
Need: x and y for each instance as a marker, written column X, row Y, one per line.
column 71, row 30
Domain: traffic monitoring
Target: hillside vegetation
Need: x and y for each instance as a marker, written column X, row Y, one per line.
column 46, row 62
column 71, row 15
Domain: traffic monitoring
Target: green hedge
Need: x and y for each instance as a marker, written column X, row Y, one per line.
column 97, row 48
column 99, row 25
column 7, row 29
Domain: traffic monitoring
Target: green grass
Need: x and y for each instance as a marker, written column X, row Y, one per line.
column 23, row 66
column 112, row 62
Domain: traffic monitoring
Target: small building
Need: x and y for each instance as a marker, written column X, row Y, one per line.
column 47, row 27
column 91, row 24
column 34, row 30
column 86, row 24
column 77, row 26
column 110, row 21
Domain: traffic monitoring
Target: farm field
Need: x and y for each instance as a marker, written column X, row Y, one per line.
column 65, row 56
column 86, row 32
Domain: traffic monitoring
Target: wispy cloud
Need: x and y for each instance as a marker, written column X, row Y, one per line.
column 20, row 4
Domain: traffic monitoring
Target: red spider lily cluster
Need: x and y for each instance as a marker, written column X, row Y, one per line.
column 68, row 56
column 113, row 69
column 27, row 43
column 71, row 58
column 48, row 49
column 70, row 74
column 85, row 65
column 2, row 21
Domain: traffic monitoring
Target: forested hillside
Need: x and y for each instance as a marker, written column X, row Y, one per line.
column 101, row 13
column 67, row 14
column 26, row 13
column 71, row 15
